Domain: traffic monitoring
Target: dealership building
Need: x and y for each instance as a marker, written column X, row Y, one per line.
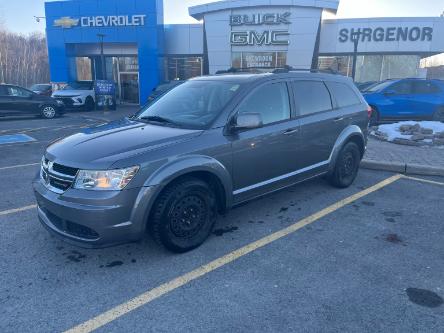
column 128, row 42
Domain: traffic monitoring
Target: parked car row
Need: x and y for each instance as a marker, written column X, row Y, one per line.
column 40, row 100
column 17, row 101
column 406, row 99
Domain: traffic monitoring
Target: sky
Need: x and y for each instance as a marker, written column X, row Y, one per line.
column 17, row 15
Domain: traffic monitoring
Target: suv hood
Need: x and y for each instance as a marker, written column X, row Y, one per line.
column 102, row 146
column 70, row 93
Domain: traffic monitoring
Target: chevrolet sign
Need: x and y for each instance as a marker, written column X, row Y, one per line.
column 101, row 21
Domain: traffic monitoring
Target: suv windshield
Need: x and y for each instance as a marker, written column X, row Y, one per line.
column 78, row 86
column 194, row 104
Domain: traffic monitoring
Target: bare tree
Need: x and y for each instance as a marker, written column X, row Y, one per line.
column 23, row 59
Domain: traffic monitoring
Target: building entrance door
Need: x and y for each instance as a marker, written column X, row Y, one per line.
column 129, row 87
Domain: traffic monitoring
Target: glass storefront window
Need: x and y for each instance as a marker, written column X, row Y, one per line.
column 84, row 72
column 258, row 59
column 183, row 68
column 374, row 67
column 433, row 66
column 129, row 64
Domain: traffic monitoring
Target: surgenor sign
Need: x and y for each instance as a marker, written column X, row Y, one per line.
column 101, row 21
column 254, row 37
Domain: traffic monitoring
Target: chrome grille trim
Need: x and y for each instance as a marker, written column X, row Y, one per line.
column 48, row 177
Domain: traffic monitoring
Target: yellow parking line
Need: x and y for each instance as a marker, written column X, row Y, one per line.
column 180, row 281
column 17, row 210
column 424, row 180
column 19, row 166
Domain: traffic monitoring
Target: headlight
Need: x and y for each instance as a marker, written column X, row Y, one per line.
column 105, row 180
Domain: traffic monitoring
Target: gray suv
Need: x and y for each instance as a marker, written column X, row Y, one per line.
column 207, row 145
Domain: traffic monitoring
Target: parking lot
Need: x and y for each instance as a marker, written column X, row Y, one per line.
column 310, row 258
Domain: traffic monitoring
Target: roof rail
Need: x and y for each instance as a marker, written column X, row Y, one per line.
column 275, row 70
column 288, row 69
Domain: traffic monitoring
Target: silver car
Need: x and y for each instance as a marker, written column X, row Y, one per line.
column 207, row 145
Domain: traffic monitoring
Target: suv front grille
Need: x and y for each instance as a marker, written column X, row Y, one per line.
column 67, row 101
column 58, row 178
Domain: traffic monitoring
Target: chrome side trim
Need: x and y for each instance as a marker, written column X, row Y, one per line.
column 276, row 179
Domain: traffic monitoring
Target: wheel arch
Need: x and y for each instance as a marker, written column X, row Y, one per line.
column 352, row 133
column 201, row 167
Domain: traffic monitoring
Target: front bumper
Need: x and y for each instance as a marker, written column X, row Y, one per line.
column 94, row 219
column 71, row 102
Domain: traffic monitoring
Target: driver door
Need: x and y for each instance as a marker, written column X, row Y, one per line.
column 22, row 101
column 263, row 156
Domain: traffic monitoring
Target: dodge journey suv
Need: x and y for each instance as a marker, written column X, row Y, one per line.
column 207, row 145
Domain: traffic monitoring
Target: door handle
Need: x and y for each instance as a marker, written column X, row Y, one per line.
column 291, row 131
column 336, row 120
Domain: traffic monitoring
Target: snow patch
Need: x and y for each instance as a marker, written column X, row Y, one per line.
column 392, row 132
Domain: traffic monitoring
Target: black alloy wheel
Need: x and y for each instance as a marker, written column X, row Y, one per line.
column 347, row 166
column 184, row 215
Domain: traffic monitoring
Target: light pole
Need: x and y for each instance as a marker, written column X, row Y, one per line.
column 355, row 39
column 102, row 55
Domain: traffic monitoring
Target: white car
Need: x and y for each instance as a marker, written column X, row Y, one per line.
column 78, row 94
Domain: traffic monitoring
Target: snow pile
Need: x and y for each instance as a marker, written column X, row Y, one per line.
column 412, row 133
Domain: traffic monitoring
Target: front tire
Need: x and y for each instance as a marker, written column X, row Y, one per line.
column 347, row 166
column 48, row 112
column 184, row 215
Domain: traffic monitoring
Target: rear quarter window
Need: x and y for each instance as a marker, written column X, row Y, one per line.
column 311, row 97
column 344, row 95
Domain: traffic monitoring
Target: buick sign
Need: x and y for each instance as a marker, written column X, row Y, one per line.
column 258, row 19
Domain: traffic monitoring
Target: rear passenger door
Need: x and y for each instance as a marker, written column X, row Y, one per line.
column 320, row 123
column 263, row 156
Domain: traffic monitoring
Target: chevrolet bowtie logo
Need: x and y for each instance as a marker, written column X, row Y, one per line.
column 66, row 22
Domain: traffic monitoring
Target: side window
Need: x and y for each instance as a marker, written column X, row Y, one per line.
column 271, row 101
column 401, row 88
column 425, row 87
column 311, row 97
column 345, row 96
column 3, row 91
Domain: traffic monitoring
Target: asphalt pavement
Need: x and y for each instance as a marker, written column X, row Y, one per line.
column 371, row 263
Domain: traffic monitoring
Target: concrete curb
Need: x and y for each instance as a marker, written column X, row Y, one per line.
column 410, row 169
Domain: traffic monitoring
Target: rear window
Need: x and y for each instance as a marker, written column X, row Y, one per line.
column 311, row 97
column 344, row 95
column 3, row 91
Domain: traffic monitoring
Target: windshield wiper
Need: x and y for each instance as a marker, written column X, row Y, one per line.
column 158, row 119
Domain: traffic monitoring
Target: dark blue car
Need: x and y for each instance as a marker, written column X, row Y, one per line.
column 406, row 99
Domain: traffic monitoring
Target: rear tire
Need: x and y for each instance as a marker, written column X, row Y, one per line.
column 347, row 166
column 184, row 215
column 439, row 115
column 90, row 104
column 48, row 111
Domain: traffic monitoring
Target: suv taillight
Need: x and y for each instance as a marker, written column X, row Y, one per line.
column 369, row 112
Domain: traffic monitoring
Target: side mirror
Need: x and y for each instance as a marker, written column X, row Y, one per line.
column 248, row 121
column 389, row 93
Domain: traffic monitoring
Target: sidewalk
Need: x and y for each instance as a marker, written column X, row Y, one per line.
column 383, row 155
